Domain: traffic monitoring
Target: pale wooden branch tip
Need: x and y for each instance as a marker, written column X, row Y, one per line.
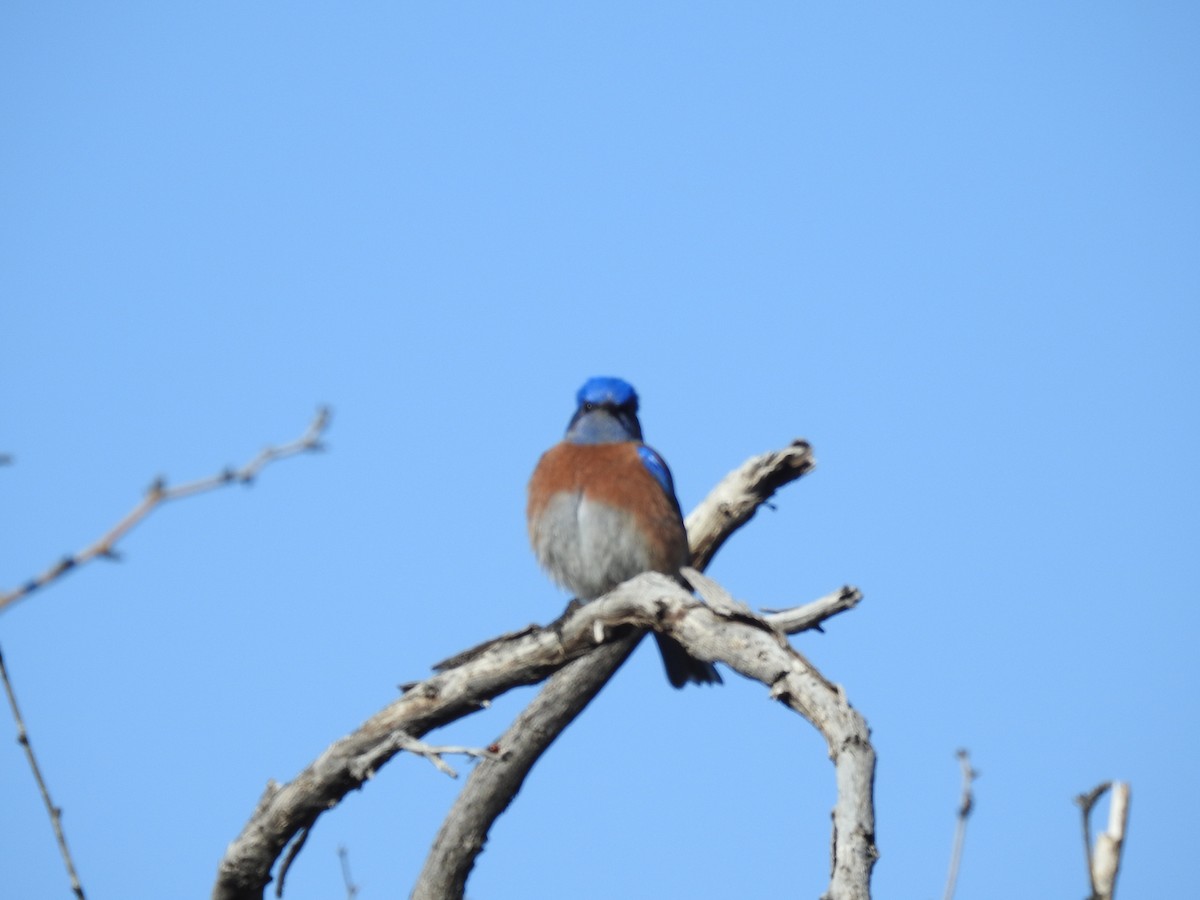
column 739, row 494
column 811, row 616
column 1104, row 860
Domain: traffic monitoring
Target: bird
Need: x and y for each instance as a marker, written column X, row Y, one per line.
column 602, row 509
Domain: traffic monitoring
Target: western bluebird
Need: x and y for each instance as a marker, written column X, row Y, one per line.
column 602, row 509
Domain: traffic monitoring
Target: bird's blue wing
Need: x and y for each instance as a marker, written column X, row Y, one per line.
column 658, row 468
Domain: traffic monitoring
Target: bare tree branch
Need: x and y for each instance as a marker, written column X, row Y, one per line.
column 434, row 754
column 351, row 887
column 965, row 805
column 1105, row 861
column 492, row 786
column 810, row 616
column 53, row 811
column 735, row 500
column 158, row 494
column 289, row 857
column 468, row 681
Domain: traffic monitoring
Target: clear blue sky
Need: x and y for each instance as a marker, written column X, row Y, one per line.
column 955, row 246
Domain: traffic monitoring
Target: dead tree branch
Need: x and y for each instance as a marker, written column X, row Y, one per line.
column 1104, row 861
column 158, row 494
column 965, row 806
column 745, row 642
column 53, row 811
column 735, row 500
column 351, row 887
column 491, row 787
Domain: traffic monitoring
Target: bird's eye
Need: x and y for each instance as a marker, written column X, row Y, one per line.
column 588, row 405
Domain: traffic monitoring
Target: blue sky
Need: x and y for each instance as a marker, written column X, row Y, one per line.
column 952, row 245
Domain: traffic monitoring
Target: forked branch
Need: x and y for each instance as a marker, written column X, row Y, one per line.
column 105, row 547
column 159, row 493
column 723, row 630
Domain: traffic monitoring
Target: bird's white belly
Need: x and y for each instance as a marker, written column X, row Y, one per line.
column 589, row 547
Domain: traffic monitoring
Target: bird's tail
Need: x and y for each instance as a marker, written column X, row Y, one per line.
column 682, row 667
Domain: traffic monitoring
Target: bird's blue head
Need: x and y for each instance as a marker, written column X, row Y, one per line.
column 606, row 414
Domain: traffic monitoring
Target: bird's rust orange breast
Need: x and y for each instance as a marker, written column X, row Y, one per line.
column 612, row 474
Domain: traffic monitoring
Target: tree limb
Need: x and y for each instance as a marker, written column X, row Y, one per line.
column 105, row 548
column 351, row 887
column 735, row 500
column 747, row 643
column 491, row 787
column 159, row 493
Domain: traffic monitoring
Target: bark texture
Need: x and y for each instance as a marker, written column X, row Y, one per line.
column 577, row 654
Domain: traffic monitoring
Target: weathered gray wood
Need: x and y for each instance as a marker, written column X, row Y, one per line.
column 493, row 784
column 729, row 633
column 1104, row 860
column 745, row 642
column 735, row 500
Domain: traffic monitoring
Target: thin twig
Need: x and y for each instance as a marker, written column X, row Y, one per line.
column 351, row 887
column 290, row 857
column 435, row 753
column 158, row 494
column 966, row 804
column 54, row 811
